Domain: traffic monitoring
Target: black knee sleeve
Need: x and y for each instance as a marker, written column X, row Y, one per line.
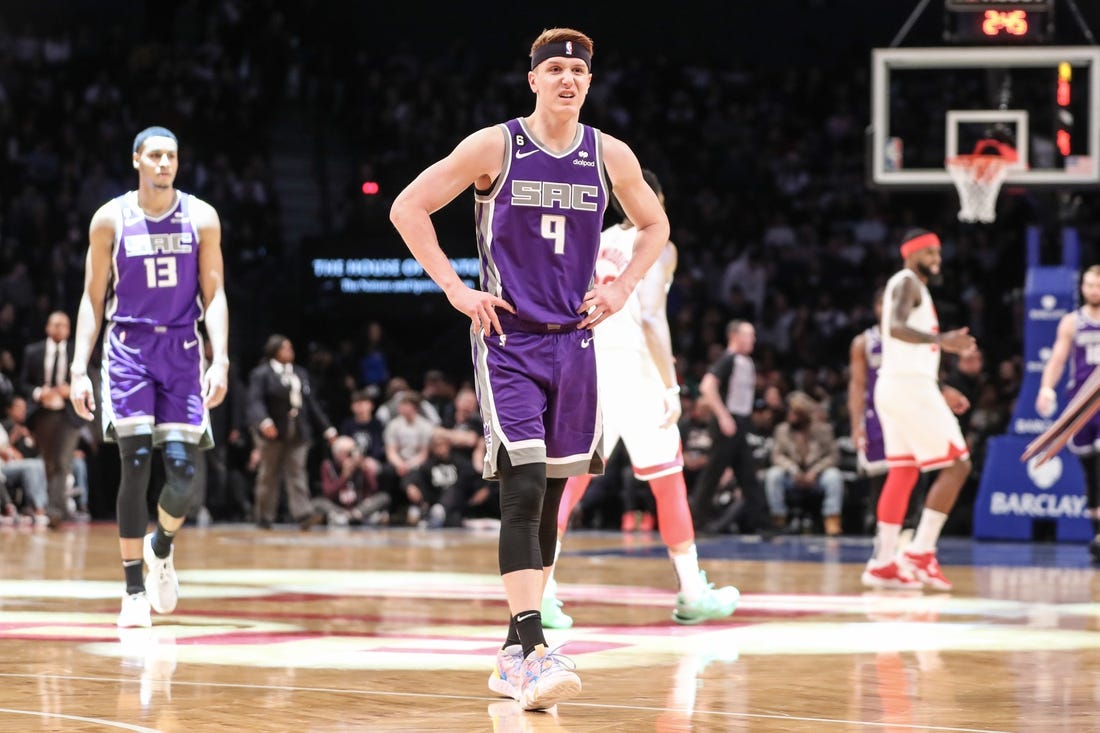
column 136, row 454
column 521, row 494
column 179, row 478
column 548, row 525
column 1091, row 465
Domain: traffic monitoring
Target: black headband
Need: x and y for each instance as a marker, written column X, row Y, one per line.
column 568, row 49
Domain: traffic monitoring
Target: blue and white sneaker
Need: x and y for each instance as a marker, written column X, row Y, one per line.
column 548, row 680
column 507, row 677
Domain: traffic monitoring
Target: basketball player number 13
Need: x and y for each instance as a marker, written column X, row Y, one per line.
column 553, row 228
column 160, row 272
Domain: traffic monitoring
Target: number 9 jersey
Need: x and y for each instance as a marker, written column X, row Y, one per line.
column 155, row 270
column 538, row 228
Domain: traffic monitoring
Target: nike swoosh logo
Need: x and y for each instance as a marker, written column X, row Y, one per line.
column 132, row 222
column 190, row 344
column 585, row 343
column 524, row 618
column 524, row 154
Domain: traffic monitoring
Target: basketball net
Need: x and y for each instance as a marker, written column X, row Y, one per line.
column 978, row 177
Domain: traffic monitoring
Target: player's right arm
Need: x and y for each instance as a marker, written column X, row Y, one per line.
column 89, row 316
column 476, row 160
column 857, row 390
column 907, row 296
column 1046, row 402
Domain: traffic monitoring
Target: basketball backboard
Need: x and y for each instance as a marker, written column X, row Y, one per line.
column 930, row 104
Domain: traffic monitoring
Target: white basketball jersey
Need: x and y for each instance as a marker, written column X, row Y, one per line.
column 623, row 329
column 901, row 358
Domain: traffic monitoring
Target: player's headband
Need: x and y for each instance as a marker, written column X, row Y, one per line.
column 916, row 244
column 567, row 49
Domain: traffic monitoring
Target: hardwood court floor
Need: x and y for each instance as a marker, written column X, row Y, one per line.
column 394, row 630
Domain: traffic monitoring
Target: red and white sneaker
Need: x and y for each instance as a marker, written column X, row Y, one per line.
column 888, row 575
column 926, row 568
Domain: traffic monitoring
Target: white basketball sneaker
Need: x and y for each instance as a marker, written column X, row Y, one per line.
column 135, row 612
column 161, row 584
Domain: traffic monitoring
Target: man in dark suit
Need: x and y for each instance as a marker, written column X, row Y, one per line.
column 284, row 413
column 50, row 416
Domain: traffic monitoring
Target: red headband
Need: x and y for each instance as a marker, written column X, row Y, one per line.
column 916, row 244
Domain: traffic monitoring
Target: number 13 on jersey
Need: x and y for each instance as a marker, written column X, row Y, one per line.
column 160, row 272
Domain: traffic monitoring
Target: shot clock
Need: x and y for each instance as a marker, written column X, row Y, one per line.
column 999, row 21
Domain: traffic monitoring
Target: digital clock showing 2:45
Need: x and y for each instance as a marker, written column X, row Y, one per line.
column 999, row 20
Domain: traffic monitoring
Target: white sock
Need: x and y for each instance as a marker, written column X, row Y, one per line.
column 886, row 542
column 928, row 531
column 687, row 573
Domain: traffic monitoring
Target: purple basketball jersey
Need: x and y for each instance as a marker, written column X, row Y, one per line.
column 155, row 273
column 152, row 352
column 872, row 345
column 1083, row 360
column 538, row 232
column 538, row 228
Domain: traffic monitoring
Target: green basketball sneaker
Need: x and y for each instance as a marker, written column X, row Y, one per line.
column 552, row 615
column 714, row 603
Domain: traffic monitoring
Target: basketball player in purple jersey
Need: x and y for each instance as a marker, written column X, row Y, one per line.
column 1078, row 341
column 864, row 359
column 541, row 186
column 153, row 271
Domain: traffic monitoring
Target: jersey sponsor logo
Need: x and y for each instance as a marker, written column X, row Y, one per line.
column 525, row 153
column 551, row 195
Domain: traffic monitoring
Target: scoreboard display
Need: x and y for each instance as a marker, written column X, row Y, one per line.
column 999, row 21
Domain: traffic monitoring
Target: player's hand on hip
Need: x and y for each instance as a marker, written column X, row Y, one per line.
column 957, row 341
column 601, row 302
column 480, row 307
column 81, row 396
column 215, row 385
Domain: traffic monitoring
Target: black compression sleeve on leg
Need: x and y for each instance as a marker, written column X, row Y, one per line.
column 521, row 493
column 1090, row 464
column 179, row 477
column 136, row 455
column 548, row 525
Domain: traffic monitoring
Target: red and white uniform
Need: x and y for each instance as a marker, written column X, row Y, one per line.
column 630, row 387
column 918, row 427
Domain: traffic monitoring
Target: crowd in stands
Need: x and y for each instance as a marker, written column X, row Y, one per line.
column 763, row 167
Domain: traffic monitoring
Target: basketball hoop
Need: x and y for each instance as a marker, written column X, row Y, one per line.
column 978, row 177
